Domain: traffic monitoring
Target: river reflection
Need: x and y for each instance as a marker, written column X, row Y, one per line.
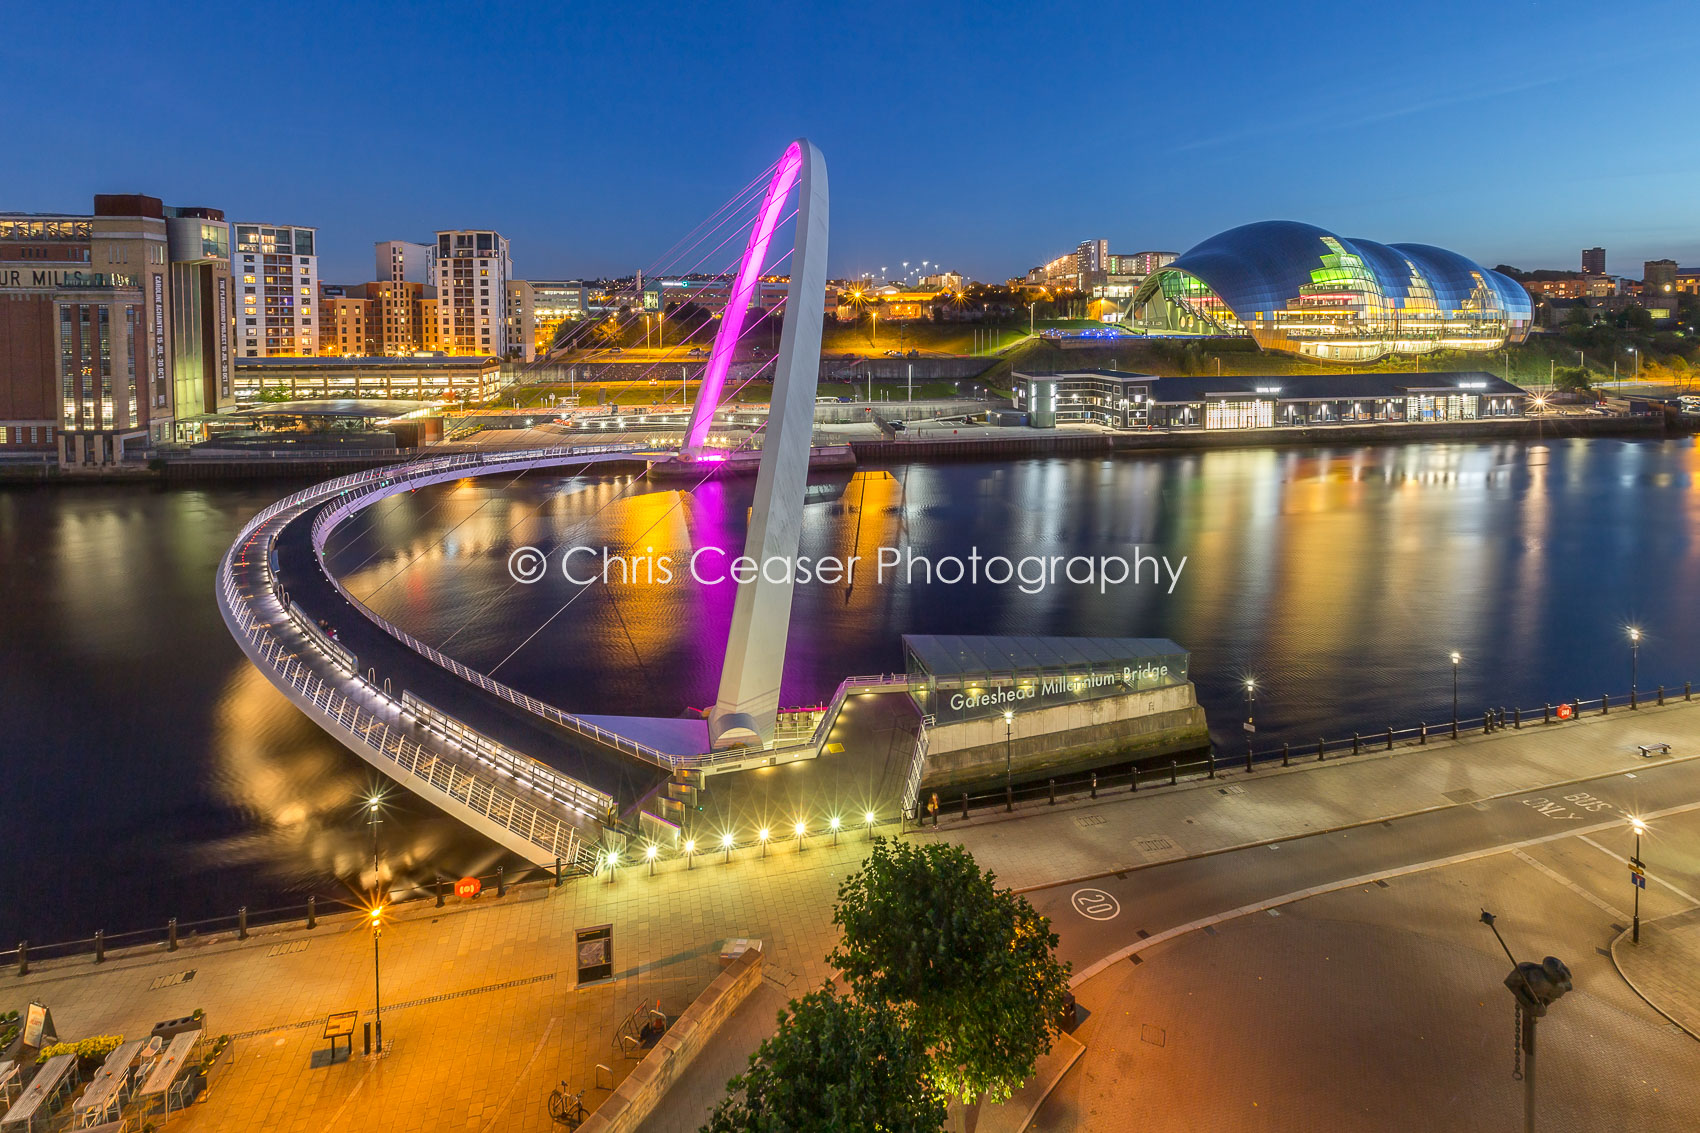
column 151, row 772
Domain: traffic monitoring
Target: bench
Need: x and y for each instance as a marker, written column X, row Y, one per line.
column 341, row 1026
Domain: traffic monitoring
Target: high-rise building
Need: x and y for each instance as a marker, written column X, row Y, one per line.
column 522, row 319
column 114, row 328
column 1140, row 263
column 1092, row 255
column 402, row 261
column 1594, row 261
column 203, row 311
column 345, row 320
column 277, row 269
column 472, row 269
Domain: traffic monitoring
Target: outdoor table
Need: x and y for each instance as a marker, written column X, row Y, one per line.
column 341, row 1026
column 34, row 1107
column 106, row 1090
column 11, row 1082
column 159, row 1089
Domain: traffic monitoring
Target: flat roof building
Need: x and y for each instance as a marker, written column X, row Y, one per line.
column 1121, row 400
column 277, row 268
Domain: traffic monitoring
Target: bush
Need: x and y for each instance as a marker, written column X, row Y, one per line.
column 86, row 1050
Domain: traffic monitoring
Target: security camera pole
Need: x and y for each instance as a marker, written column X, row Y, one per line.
column 1535, row 987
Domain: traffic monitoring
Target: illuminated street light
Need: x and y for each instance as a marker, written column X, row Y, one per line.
column 1455, row 659
column 869, row 817
column 650, row 854
column 801, row 830
column 834, row 824
column 1634, row 664
column 1250, row 718
column 1637, row 877
column 613, row 860
column 376, row 913
column 690, row 849
column 726, row 844
column 763, row 837
column 1008, row 759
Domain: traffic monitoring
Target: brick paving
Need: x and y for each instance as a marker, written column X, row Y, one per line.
column 1662, row 967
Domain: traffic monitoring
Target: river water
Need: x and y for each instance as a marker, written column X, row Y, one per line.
column 151, row 772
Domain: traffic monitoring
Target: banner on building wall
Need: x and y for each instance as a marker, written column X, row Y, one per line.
column 159, row 338
column 224, row 331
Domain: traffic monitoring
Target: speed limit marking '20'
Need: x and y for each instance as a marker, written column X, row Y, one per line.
column 1096, row 905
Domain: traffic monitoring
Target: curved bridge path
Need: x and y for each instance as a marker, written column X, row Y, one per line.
column 470, row 746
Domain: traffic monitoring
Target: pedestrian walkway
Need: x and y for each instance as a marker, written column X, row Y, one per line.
column 1040, row 845
column 1661, row 967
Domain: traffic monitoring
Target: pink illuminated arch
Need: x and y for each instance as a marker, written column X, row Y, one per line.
column 738, row 303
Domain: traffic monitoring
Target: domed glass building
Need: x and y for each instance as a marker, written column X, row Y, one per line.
column 1301, row 289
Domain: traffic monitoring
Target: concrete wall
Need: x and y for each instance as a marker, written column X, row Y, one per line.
column 1067, row 737
column 643, row 1088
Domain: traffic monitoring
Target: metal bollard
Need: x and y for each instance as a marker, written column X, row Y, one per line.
column 1634, row 698
column 366, row 1046
column 1546, row 717
column 1286, row 755
column 1094, row 784
column 242, row 923
column 1174, row 773
column 439, row 887
column 1390, row 737
column 1605, row 703
column 1008, row 798
column 1357, row 744
column 1487, row 722
column 1052, row 784
column 1661, row 696
column 1213, row 763
column 559, row 875
column 171, row 935
column 1422, row 734
column 23, row 957
column 1133, row 779
column 1248, row 760
column 1517, row 719
column 100, row 946
column 501, row 883
column 1688, row 690
column 964, row 804
column 1321, row 746
column 312, row 912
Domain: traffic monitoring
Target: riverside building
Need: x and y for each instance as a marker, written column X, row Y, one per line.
column 115, row 329
column 277, row 268
column 472, row 270
column 1121, row 400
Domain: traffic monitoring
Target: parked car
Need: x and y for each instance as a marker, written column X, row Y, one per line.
column 898, row 426
column 894, row 353
column 696, row 352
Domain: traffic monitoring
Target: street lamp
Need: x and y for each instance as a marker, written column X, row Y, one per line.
column 613, row 860
column 1455, row 659
column 726, row 844
column 1637, row 877
column 1008, row 759
column 834, row 824
column 1634, row 663
column 801, row 830
column 1250, row 719
column 377, row 915
column 374, row 820
column 763, row 837
column 869, row 817
column 690, row 850
column 650, row 854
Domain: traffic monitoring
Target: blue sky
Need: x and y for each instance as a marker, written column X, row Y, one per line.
column 987, row 137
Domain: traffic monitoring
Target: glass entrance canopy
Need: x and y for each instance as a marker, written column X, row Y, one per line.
column 966, row 678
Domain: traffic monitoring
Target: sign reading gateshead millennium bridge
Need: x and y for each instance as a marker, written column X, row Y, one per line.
column 967, row 678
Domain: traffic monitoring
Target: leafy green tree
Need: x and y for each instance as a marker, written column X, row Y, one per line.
column 1572, row 379
column 972, row 967
column 833, row 1065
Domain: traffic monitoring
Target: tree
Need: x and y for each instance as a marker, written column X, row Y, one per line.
column 972, row 967
column 1572, row 379
column 833, row 1065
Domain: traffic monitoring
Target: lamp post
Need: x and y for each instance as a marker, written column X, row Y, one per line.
column 650, row 853
column 1250, row 719
column 374, row 820
column 801, row 830
column 690, row 851
column 726, row 844
column 1455, row 659
column 1008, row 758
column 613, row 860
column 1634, row 663
column 763, row 837
column 1637, row 876
column 869, row 817
column 834, row 824
column 377, row 982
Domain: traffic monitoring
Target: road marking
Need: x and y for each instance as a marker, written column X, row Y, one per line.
column 1156, row 938
column 1096, row 905
column 1689, row 897
column 523, row 1074
column 1573, row 887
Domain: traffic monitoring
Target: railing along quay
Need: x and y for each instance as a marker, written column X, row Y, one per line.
column 1142, row 775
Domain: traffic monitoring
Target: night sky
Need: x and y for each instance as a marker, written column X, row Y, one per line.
column 988, row 137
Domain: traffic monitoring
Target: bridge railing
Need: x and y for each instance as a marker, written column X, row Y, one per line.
column 917, row 767
column 407, row 756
